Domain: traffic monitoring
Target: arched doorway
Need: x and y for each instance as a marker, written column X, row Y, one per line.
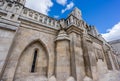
column 32, row 63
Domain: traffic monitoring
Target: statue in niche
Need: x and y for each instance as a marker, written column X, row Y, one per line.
column 25, row 11
column 1, row 2
column 17, row 7
column 31, row 14
column 36, row 16
column 62, row 26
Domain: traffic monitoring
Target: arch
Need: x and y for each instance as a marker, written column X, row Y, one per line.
column 37, row 40
column 26, row 58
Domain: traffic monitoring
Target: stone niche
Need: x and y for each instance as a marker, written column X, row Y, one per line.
column 25, row 68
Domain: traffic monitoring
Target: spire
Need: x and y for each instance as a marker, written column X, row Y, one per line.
column 77, row 13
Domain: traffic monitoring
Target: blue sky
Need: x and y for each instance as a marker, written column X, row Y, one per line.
column 104, row 14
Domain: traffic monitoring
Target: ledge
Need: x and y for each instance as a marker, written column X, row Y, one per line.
column 8, row 24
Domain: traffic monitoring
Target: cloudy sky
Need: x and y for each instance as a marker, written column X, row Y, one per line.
column 104, row 14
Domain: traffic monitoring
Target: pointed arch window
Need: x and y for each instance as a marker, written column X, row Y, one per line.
column 34, row 61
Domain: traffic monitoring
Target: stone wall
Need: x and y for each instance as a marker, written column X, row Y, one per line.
column 116, row 48
column 24, row 37
column 6, row 39
column 36, row 47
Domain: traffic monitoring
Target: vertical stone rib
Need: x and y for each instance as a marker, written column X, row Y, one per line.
column 63, row 70
column 86, row 58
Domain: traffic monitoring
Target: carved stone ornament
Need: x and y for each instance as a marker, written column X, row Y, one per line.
column 1, row 2
column 25, row 11
column 17, row 7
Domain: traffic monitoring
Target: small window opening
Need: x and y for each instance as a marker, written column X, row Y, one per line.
column 12, row 16
column 34, row 61
column 10, row 5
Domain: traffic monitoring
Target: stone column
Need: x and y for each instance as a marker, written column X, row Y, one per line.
column 55, row 23
column 108, row 62
column 89, row 58
column 71, row 19
column 77, row 61
column 114, row 61
column 63, row 70
column 111, row 60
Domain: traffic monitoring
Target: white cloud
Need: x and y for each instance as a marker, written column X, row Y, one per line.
column 62, row 2
column 42, row 6
column 56, row 16
column 68, row 7
column 113, row 33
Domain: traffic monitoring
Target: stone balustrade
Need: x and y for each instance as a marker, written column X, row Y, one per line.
column 41, row 18
column 72, row 20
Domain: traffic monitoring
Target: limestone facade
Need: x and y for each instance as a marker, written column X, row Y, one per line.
column 116, row 48
column 36, row 47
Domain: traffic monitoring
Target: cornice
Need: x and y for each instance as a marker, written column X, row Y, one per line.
column 75, row 29
column 38, row 27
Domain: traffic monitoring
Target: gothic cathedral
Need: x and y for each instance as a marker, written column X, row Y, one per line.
column 36, row 47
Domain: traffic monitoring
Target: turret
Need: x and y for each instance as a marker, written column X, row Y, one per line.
column 77, row 13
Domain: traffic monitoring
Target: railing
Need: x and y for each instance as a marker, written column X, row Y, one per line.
column 36, row 16
column 72, row 20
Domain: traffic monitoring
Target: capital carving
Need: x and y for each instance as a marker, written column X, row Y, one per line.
column 62, row 35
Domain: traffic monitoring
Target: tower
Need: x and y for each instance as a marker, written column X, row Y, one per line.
column 77, row 13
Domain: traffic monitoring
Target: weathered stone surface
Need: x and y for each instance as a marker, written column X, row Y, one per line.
column 116, row 46
column 52, row 78
column 35, row 47
column 70, row 79
column 87, row 79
